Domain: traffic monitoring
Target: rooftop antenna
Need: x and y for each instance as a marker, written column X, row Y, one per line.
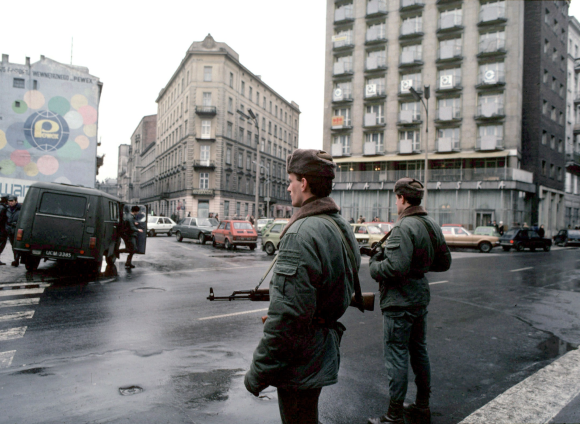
column 71, row 49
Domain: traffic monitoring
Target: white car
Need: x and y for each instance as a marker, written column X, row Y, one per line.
column 159, row 225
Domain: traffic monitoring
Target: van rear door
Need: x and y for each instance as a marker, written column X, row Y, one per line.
column 59, row 221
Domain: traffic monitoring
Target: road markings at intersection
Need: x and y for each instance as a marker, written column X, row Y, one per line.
column 12, row 333
column 538, row 398
column 19, row 302
column 6, row 358
column 522, row 269
column 16, row 316
column 233, row 314
column 20, row 292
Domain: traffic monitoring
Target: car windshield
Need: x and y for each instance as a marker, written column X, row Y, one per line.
column 511, row 233
column 242, row 226
column 374, row 230
column 573, row 233
column 207, row 222
column 152, row 219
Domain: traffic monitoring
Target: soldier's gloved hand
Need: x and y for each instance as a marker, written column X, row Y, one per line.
column 378, row 256
column 252, row 385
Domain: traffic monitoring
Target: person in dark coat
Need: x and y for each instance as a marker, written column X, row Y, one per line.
column 131, row 229
column 415, row 246
column 12, row 214
column 541, row 231
column 3, row 219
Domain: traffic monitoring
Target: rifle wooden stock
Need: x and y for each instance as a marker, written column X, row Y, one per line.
column 368, row 301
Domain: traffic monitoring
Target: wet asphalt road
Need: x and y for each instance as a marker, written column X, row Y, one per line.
column 91, row 346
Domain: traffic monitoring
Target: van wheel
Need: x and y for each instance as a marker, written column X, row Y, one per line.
column 201, row 238
column 485, row 247
column 270, row 249
column 178, row 237
column 546, row 248
column 151, row 233
column 228, row 245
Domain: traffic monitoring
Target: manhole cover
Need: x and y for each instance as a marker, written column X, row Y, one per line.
column 130, row 390
column 141, row 289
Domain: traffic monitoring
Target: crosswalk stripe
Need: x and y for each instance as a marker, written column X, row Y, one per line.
column 538, row 398
column 6, row 358
column 439, row 282
column 522, row 269
column 233, row 314
column 6, row 293
column 19, row 302
column 12, row 333
column 17, row 316
column 16, row 286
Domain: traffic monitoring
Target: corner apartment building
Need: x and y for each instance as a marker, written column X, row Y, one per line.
column 471, row 55
column 206, row 145
column 142, row 138
column 571, row 186
column 122, row 175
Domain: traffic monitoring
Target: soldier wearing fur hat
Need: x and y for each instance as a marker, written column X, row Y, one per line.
column 12, row 214
column 414, row 247
column 311, row 288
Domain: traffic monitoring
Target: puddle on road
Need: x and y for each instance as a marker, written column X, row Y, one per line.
column 34, row 371
column 196, row 389
column 130, row 390
column 554, row 347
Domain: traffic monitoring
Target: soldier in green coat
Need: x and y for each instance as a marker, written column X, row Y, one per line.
column 311, row 288
column 414, row 247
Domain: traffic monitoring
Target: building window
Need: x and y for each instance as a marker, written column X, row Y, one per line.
column 207, row 73
column 376, row 59
column 18, row 83
column 450, row 18
column 229, row 156
column 35, row 85
column 378, row 139
column 490, row 105
column 552, row 170
column 374, row 115
column 553, row 114
column 376, row 32
column 449, row 133
column 249, row 161
column 560, row 146
column 544, row 138
column 544, row 168
column 412, row 25
column 491, row 73
column 344, row 142
column 240, row 159
column 546, row 46
column 204, row 180
column 206, row 99
column 231, row 80
column 545, row 77
column 412, row 137
column 204, row 153
column 545, row 108
column 343, row 38
column 559, row 175
column 243, row 89
column 449, row 79
column 449, row 49
column 231, row 105
column 240, row 134
column 341, row 118
column 229, row 130
column 205, row 129
column 410, row 80
column 250, row 93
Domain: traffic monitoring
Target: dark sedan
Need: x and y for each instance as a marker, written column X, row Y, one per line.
column 521, row 238
column 567, row 237
column 195, row 228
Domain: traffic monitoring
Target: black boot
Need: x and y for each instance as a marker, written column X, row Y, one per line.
column 419, row 412
column 394, row 415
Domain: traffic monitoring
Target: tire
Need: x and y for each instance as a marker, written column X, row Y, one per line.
column 270, row 249
column 228, row 245
column 547, row 248
column 178, row 237
column 213, row 243
column 151, row 233
column 31, row 263
column 519, row 247
column 252, row 247
column 201, row 238
column 506, row 248
column 169, row 233
column 485, row 247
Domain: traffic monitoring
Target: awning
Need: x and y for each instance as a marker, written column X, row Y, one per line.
column 432, row 156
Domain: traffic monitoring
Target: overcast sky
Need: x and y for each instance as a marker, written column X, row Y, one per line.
column 134, row 49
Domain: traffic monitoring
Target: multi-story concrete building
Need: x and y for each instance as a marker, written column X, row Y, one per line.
column 143, row 136
column 109, row 186
column 206, row 145
column 571, row 186
column 471, row 55
column 122, row 175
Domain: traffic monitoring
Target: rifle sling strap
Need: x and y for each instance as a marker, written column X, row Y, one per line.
column 267, row 272
column 429, row 231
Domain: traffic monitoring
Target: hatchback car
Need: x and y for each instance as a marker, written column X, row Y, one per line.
column 520, row 239
column 159, row 225
column 567, row 237
column 232, row 233
column 262, row 223
column 458, row 236
column 271, row 236
column 195, row 228
column 367, row 234
column 384, row 226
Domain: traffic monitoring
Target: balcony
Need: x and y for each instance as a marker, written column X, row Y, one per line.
column 409, row 147
column 447, row 145
column 375, row 36
column 411, row 30
column 573, row 157
column 449, row 53
column 410, row 58
column 577, row 65
column 406, row 84
column 371, row 149
column 448, row 83
column 373, row 120
column 490, row 78
column 492, row 15
column 489, row 143
column 376, row 63
column 376, row 8
column 338, row 150
column 341, row 95
column 342, row 42
column 340, row 123
column 489, row 111
column 343, row 15
column 449, row 23
column 491, row 47
column 409, row 117
column 205, row 110
column 448, row 114
column 204, row 164
column 411, row 5
column 342, row 68
column 207, row 138
column 375, row 91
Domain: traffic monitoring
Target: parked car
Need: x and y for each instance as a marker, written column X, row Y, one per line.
column 159, row 225
column 262, row 222
column 232, row 233
column 367, row 233
column 567, row 237
column 72, row 223
column 521, row 238
column 457, row 236
column 384, row 226
column 271, row 236
column 195, row 228
column 486, row 231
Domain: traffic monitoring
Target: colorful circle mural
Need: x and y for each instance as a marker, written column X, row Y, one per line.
column 34, row 99
column 19, row 106
column 47, row 165
column 3, row 140
column 59, row 105
column 46, row 130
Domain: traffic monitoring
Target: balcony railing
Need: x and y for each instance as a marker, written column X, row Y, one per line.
column 410, row 58
column 448, row 113
column 407, row 147
column 339, row 150
column 447, row 144
column 376, row 7
column 375, row 91
column 490, row 15
column 343, row 41
column 412, row 4
column 490, row 47
column 343, row 14
column 373, row 120
column 341, row 95
column 489, row 142
column 491, row 77
column 371, row 149
column 375, row 36
column 204, row 164
column 409, row 117
column 342, row 68
column 490, row 111
column 449, row 53
column 205, row 110
column 449, row 82
column 450, row 22
column 411, row 29
column 375, row 63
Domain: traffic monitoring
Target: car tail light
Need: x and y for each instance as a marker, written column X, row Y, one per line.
column 19, row 234
column 92, row 242
column 511, row 241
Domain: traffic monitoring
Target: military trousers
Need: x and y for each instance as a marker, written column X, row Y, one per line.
column 298, row 406
column 405, row 338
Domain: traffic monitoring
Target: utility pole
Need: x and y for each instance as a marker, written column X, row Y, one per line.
column 418, row 98
column 257, row 198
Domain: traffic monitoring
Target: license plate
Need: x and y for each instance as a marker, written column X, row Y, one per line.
column 56, row 254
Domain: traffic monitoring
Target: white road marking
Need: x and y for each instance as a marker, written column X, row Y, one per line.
column 522, row 269
column 4, row 293
column 17, row 315
column 234, row 314
column 438, row 282
column 23, row 286
column 6, row 358
column 19, row 302
column 12, row 333
column 538, row 398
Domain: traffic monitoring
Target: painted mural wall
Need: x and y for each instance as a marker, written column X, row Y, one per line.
column 48, row 125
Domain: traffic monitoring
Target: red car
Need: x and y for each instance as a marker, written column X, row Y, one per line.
column 232, row 233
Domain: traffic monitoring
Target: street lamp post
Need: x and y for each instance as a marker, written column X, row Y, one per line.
column 257, row 198
column 418, row 98
column 268, row 188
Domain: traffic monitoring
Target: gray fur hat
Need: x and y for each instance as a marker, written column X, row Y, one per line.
column 409, row 187
column 310, row 162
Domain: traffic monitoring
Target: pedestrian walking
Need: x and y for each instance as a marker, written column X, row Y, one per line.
column 3, row 219
column 12, row 214
column 251, row 219
column 541, row 231
column 311, row 289
column 415, row 246
column 500, row 229
column 494, row 225
column 130, row 231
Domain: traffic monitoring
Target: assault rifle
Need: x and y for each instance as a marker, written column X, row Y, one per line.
column 365, row 250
